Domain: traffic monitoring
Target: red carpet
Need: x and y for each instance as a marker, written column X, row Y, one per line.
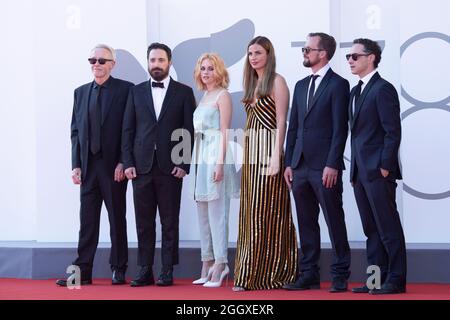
column 19, row 289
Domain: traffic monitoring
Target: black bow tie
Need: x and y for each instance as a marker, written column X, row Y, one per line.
column 158, row 85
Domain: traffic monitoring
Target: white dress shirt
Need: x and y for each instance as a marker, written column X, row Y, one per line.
column 321, row 74
column 159, row 94
column 365, row 81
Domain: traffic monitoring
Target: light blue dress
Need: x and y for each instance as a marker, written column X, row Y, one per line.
column 205, row 153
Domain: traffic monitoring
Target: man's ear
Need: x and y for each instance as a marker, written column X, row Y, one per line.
column 372, row 58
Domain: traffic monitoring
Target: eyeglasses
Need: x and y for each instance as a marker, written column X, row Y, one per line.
column 307, row 50
column 355, row 56
column 100, row 60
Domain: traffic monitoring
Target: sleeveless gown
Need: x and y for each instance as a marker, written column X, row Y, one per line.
column 266, row 253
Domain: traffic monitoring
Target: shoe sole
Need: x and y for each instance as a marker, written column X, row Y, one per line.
column 338, row 291
column 141, row 284
column 313, row 287
column 359, row 292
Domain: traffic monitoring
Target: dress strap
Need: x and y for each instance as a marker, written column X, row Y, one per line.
column 219, row 95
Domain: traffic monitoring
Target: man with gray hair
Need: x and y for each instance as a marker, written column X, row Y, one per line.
column 97, row 167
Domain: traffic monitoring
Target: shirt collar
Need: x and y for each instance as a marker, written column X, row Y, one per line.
column 369, row 76
column 165, row 81
column 323, row 71
column 106, row 84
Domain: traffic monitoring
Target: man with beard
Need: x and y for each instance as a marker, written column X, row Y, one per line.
column 155, row 110
column 314, row 162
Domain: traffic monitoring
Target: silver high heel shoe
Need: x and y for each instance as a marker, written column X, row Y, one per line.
column 206, row 279
column 217, row 284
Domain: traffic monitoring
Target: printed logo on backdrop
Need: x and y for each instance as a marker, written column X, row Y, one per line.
column 419, row 105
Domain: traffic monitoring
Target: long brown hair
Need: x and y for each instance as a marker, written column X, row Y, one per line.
column 251, row 77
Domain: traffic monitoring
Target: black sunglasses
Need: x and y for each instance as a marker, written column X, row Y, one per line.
column 308, row 50
column 100, row 60
column 355, row 56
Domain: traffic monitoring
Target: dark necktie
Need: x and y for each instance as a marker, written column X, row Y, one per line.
column 158, row 85
column 312, row 88
column 357, row 94
column 96, row 123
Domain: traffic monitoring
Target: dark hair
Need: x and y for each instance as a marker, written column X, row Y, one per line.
column 156, row 45
column 327, row 43
column 371, row 47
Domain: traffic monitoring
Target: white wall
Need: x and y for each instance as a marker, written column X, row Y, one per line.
column 17, row 122
column 46, row 43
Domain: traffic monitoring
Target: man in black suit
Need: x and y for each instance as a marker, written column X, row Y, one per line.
column 374, row 113
column 314, row 162
column 97, row 166
column 159, row 112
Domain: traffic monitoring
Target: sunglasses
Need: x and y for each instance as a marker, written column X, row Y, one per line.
column 308, row 50
column 100, row 60
column 355, row 56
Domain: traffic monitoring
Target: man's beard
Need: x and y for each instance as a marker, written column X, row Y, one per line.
column 159, row 74
column 307, row 63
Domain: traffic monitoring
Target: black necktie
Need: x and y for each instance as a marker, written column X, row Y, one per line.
column 158, row 85
column 357, row 94
column 312, row 88
column 96, row 123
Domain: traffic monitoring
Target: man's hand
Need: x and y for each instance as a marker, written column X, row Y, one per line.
column 329, row 177
column 76, row 176
column 130, row 173
column 288, row 176
column 384, row 172
column 119, row 175
column 178, row 173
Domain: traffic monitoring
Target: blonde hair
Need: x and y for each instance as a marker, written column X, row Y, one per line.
column 107, row 48
column 251, row 77
column 220, row 71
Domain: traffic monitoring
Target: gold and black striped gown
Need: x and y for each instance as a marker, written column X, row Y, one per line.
column 266, row 253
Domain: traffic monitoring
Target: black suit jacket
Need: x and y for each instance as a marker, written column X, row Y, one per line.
column 142, row 132
column 319, row 134
column 112, row 117
column 375, row 130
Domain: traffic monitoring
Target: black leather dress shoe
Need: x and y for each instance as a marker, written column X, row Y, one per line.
column 388, row 288
column 144, row 277
column 63, row 282
column 303, row 283
column 165, row 279
column 118, row 277
column 363, row 289
column 339, row 285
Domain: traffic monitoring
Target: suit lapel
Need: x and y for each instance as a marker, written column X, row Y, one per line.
column 363, row 95
column 350, row 108
column 320, row 89
column 85, row 107
column 168, row 98
column 149, row 98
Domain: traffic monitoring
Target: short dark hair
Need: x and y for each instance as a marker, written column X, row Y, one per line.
column 371, row 47
column 157, row 45
column 327, row 43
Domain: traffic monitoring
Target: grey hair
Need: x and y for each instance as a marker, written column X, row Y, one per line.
column 106, row 47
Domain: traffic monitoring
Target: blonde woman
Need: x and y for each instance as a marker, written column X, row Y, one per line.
column 214, row 180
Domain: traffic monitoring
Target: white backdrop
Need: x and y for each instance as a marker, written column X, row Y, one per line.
column 46, row 43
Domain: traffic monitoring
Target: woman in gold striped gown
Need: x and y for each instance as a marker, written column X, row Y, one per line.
column 266, row 255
